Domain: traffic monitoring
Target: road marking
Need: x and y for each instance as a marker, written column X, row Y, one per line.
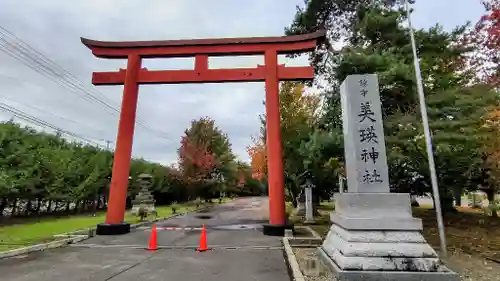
column 187, row 247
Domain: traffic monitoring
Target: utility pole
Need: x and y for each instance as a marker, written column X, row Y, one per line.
column 108, row 142
column 427, row 133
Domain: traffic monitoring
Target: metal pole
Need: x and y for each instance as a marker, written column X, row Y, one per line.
column 428, row 138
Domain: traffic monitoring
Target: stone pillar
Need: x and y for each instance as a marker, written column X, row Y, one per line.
column 309, row 204
column 341, row 184
column 373, row 234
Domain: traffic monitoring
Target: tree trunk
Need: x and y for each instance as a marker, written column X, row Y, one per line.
column 58, row 205
column 49, row 207
column 490, row 194
column 494, row 213
column 457, row 194
column 3, row 204
column 316, row 201
column 14, row 206
column 27, row 208
column 294, row 198
column 447, row 205
column 458, row 201
column 78, row 206
column 84, row 205
column 95, row 202
column 414, row 201
column 38, row 205
column 101, row 201
column 316, row 198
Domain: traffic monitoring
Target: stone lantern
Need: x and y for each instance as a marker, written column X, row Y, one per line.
column 144, row 199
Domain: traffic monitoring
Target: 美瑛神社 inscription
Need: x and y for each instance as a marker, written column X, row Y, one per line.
column 364, row 135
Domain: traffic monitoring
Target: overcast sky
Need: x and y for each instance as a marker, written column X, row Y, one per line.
column 54, row 28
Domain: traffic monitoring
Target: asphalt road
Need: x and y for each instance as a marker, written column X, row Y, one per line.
column 239, row 252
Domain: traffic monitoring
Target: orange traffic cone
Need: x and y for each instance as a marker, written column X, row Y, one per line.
column 152, row 240
column 203, row 240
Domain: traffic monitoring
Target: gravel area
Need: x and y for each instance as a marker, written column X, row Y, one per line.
column 311, row 265
column 473, row 267
column 470, row 267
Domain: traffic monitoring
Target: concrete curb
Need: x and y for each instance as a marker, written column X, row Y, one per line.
column 41, row 247
column 78, row 236
column 291, row 261
column 307, row 242
column 312, row 231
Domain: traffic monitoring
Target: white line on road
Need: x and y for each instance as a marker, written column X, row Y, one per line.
column 187, row 247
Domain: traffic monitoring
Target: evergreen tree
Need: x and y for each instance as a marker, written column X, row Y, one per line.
column 377, row 41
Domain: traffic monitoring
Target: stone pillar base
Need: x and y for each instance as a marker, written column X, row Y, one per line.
column 113, row 229
column 149, row 208
column 275, row 229
column 375, row 237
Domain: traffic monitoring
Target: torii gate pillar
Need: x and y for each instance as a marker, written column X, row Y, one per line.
column 277, row 211
column 271, row 73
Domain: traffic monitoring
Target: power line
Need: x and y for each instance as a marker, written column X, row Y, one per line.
column 41, row 64
column 33, row 120
column 45, row 63
column 54, row 115
column 39, row 121
column 42, row 123
column 35, row 64
column 36, row 121
column 26, row 57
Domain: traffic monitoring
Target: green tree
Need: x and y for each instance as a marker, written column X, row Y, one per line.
column 298, row 119
column 377, row 41
column 41, row 172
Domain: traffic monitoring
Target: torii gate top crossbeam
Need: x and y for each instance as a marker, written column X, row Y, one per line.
column 211, row 47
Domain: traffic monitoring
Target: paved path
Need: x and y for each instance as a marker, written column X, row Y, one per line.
column 240, row 252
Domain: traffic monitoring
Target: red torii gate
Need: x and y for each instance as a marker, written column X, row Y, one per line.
column 200, row 49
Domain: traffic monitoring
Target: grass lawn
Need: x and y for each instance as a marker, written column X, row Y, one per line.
column 21, row 235
column 467, row 230
column 322, row 223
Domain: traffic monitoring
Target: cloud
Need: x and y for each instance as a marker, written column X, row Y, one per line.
column 53, row 27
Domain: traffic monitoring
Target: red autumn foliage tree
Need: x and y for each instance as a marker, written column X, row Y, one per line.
column 484, row 38
column 195, row 160
column 206, row 159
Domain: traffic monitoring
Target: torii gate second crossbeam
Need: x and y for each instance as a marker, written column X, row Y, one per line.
column 271, row 73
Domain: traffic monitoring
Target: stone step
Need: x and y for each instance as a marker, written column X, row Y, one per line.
column 378, row 249
column 378, row 236
column 384, row 263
